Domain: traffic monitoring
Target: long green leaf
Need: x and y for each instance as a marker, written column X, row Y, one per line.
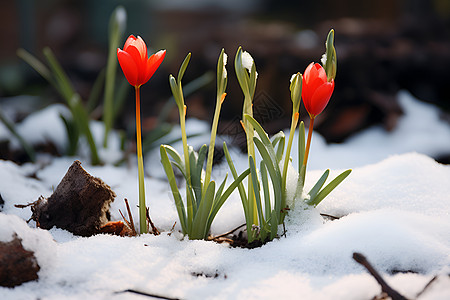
column 241, row 73
column 27, row 147
column 330, row 187
column 96, row 91
column 278, row 142
column 188, row 89
column 264, row 139
column 173, row 186
column 274, row 221
column 301, row 144
column 265, row 184
column 199, row 225
column 275, row 174
column 183, row 68
column 65, row 86
column 218, row 204
column 220, row 190
column 316, row 188
column 36, row 64
column 256, row 190
column 73, row 135
column 174, row 154
column 117, row 23
column 81, row 117
column 241, row 188
column 157, row 133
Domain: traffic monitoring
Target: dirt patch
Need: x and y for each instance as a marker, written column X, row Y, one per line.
column 80, row 204
column 17, row 265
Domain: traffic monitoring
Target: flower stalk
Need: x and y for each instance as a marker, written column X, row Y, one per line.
column 138, row 68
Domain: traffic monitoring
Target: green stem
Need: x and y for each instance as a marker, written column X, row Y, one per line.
column 308, row 145
column 294, row 122
column 142, row 207
column 249, row 132
column 189, row 200
column 212, row 141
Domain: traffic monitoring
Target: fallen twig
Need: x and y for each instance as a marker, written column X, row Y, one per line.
column 146, row 294
column 330, row 216
column 361, row 259
column 155, row 230
column 213, row 238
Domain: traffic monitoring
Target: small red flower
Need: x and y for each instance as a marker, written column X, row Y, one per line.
column 316, row 90
column 136, row 67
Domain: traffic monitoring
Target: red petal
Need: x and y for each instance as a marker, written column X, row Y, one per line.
column 153, row 63
column 306, row 75
column 321, row 97
column 141, row 47
column 128, row 66
column 128, row 42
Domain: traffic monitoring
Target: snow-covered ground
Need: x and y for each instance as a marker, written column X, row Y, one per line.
column 394, row 208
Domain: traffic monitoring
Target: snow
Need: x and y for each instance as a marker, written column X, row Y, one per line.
column 394, row 209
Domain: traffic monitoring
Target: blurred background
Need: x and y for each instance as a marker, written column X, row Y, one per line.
column 382, row 46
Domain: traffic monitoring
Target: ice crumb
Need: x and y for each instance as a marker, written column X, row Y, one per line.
column 324, row 59
column 225, row 59
column 247, row 62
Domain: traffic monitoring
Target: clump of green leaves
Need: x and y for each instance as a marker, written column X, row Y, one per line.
column 265, row 208
column 203, row 200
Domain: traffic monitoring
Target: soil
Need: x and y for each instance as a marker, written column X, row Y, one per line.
column 80, row 204
column 17, row 265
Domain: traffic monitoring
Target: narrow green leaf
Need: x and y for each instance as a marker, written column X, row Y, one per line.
column 36, row 64
column 256, row 190
column 220, row 190
column 330, row 65
column 188, row 89
column 252, row 80
column 330, row 187
column 316, row 188
column 264, row 138
column 176, row 92
column 274, row 221
column 195, row 178
column 183, row 68
column 63, row 82
column 73, row 135
column 241, row 73
column 278, row 141
column 274, row 172
column 157, row 133
column 201, row 158
column 120, row 97
column 174, row 154
column 199, row 228
column 221, row 80
column 173, row 186
column 218, row 204
column 241, row 189
column 301, row 144
column 96, row 91
column 27, row 147
column 265, row 184
column 117, row 23
column 81, row 117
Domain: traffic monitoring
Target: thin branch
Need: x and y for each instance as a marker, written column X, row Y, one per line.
column 226, row 233
column 155, row 230
column 146, row 294
column 361, row 259
column 130, row 216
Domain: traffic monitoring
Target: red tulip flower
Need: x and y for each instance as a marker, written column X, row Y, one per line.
column 136, row 66
column 316, row 90
column 138, row 69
